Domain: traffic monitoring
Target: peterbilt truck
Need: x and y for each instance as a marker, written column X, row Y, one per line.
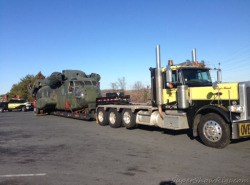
column 184, row 97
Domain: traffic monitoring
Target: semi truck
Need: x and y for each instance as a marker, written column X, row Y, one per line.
column 183, row 97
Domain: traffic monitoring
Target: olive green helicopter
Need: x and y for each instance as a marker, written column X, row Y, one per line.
column 69, row 91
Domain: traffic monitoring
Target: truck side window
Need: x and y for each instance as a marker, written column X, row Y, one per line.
column 71, row 86
column 174, row 77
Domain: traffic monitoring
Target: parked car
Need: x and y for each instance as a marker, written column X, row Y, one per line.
column 16, row 104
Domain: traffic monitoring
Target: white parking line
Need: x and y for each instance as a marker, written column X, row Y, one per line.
column 23, row 175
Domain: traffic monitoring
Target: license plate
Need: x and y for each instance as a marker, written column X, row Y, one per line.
column 244, row 129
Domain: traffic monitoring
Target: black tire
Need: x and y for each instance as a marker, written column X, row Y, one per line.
column 46, row 112
column 102, row 117
column 114, row 118
column 128, row 119
column 214, row 131
column 1, row 109
column 23, row 109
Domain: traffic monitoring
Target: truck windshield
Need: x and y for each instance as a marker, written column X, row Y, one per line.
column 196, row 76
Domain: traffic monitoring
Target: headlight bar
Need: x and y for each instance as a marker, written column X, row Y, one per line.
column 235, row 108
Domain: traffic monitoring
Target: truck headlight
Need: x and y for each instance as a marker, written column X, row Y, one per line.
column 235, row 108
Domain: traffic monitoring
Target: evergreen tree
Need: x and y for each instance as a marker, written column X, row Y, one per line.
column 21, row 89
column 39, row 76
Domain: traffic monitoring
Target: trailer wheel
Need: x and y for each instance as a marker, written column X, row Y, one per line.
column 214, row 131
column 128, row 119
column 37, row 111
column 115, row 120
column 102, row 117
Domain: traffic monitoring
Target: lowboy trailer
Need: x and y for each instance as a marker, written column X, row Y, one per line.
column 183, row 97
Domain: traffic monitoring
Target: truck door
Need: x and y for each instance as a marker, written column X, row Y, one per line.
column 170, row 93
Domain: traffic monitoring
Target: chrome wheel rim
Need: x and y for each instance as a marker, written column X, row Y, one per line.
column 212, row 131
column 112, row 118
column 100, row 116
column 126, row 117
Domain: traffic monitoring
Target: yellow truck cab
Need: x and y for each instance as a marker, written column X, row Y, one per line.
column 216, row 111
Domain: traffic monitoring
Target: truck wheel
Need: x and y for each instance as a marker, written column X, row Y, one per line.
column 102, row 117
column 128, row 119
column 37, row 111
column 115, row 120
column 23, row 108
column 1, row 109
column 214, row 131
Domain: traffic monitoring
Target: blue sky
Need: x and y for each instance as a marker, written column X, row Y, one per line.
column 117, row 38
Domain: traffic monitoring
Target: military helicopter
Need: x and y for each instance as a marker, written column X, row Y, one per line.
column 72, row 91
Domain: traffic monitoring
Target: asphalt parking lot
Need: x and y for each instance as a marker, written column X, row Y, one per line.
column 51, row 150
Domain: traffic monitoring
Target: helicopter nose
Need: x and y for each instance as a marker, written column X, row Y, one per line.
column 89, row 95
column 81, row 102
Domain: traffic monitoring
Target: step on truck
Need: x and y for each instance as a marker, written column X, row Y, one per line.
column 184, row 97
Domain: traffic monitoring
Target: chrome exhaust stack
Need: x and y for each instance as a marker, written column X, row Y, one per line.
column 159, row 82
column 194, row 55
column 158, row 77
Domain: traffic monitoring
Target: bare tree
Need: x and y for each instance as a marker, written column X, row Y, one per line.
column 114, row 86
column 138, row 86
column 121, row 83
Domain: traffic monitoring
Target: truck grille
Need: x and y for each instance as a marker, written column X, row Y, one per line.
column 248, row 101
column 244, row 95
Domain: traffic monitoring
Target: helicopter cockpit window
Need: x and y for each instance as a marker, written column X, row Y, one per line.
column 79, row 83
column 71, row 86
column 88, row 82
column 78, row 91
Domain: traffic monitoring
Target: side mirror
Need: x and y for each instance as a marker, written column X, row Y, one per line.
column 219, row 76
